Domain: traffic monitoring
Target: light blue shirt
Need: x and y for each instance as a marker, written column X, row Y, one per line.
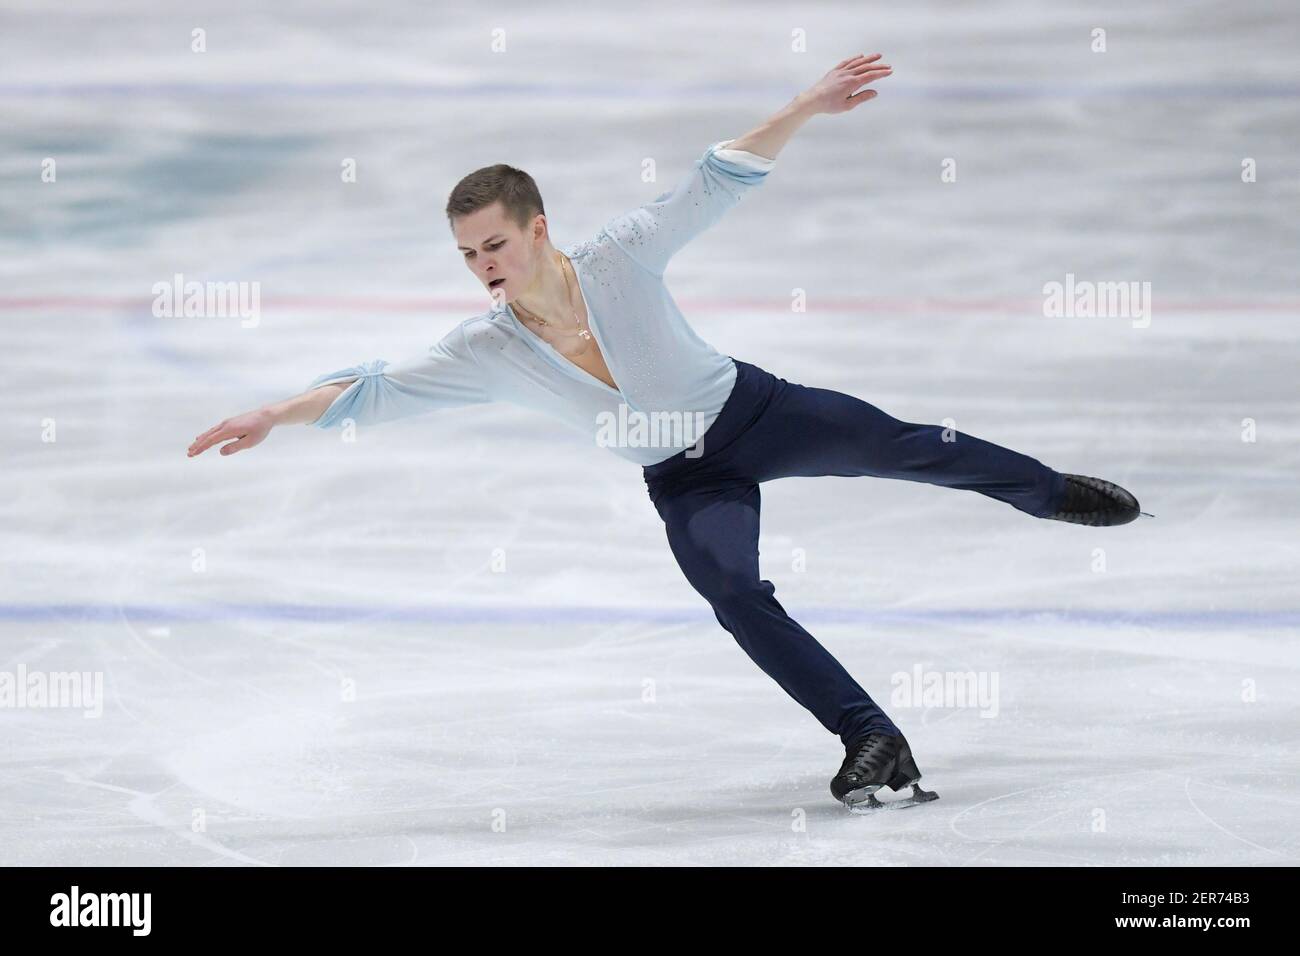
column 672, row 383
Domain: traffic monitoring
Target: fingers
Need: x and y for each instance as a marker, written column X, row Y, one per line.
column 208, row 439
column 858, row 80
column 207, row 434
column 235, row 446
column 859, row 60
column 870, row 76
column 214, row 428
column 873, row 68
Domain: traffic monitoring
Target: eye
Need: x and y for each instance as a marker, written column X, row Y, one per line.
column 493, row 247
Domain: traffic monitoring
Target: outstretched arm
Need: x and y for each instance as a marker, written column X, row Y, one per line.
column 447, row 376
column 833, row 93
column 251, row 428
column 653, row 233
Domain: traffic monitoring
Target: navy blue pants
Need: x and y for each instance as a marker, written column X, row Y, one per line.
column 770, row 428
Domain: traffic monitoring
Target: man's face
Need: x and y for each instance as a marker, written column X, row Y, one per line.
column 497, row 251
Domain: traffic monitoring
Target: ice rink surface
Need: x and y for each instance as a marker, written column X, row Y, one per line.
column 462, row 639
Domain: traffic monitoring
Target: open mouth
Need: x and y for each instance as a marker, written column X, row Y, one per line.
column 495, row 283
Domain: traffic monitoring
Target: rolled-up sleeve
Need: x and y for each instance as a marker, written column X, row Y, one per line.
column 652, row 234
column 447, row 376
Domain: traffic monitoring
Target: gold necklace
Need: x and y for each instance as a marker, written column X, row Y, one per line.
column 582, row 330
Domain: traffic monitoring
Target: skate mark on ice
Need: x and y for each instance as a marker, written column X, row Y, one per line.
column 142, row 806
column 1187, row 792
column 993, row 844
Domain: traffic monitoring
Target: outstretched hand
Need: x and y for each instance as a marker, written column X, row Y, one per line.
column 249, row 428
column 834, row 92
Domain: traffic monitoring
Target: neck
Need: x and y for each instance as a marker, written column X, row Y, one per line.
column 548, row 294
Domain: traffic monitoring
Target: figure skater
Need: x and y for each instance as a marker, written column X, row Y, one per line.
column 591, row 336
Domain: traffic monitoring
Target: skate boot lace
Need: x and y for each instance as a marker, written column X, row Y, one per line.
column 865, row 756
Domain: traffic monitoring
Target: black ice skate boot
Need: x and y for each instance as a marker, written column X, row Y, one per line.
column 874, row 761
column 1096, row 503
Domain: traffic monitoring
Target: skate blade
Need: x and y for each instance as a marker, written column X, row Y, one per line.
column 869, row 803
